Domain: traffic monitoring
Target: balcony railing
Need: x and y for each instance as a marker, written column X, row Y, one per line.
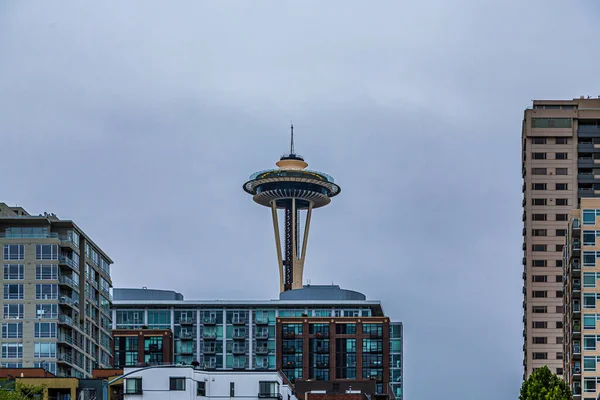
column 576, row 245
column 262, row 320
column 63, row 319
column 261, row 350
column 209, row 335
column 186, row 321
column 185, row 335
column 238, row 335
column 238, row 321
column 66, row 300
column 48, row 235
column 209, row 349
column 262, row 334
column 209, row 321
column 238, row 349
column 65, row 280
column 576, row 223
column 68, row 261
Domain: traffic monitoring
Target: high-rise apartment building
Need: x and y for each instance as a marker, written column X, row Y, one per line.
column 560, row 166
column 55, row 295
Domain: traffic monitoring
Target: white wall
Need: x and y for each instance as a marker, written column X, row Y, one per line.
column 155, row 383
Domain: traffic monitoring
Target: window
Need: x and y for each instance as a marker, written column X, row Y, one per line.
column 589, row 342
column 540, row 293
column 12, row 350
column 133, row 386
column 561, row 232
column 559, row 324
column 539, row 202
column 44, row 350
column 562, row 217
column 201, row 389
column 540, row 309
column 559, row 355
column 176, row 383
column 589, row 321
column 589, row 385
column 559, row 371
column 46, row 291
column 46, row 252
column 589, row 279
column 559, row 309
column 540, row 263
column 559, row 340
column 13, row 292
column 539, row 247
column 13, row 272
column 538, row 171
column 559, row 263
column 562, row 202
column 539, row 232
column 589, row 300
column 589, row 363
column 14, row 252
column 562, row 171
column 589, row 217
column 562, row 140
column 550, row 122
column 589, row 238
column 539, row 278
column 539, row 217
column 13, row 311
column 559, row 278
column 589, row 258
column 540, row 324
column 538, row 140
column 46, row 271
column 562, row 186
column 46, row 311
column 268, row 389
column 540, row 356
column 538, row 156
column 231, row 389
column 559, row 247
column 540, row 340
column 538, row 186
column 12, row 330
column 561, row 156
column 45, row 330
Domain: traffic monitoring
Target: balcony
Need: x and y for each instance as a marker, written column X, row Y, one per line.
column 64, row 338
column 576, row 307
column 262, row 334
column 585, row 192
column 585, row 177
column 65, row 320
column 186, row 321
column 64, row 260
column 322, row 334
column 183, row 335
column 64, row 358
column 238, row 350
column 576, row 349
column 209, row 321
column 238, row 335
column 239, row 363
column 209, row 350
column 289, row 335
column 262, row 320
column 576, row 224
column 261, row 366
column 67, row 301
column 210, row 365
column 261, row 350
column 188, row 350
column 325, row 350
column 209, row 335
column 238, row 321
column 64, row 280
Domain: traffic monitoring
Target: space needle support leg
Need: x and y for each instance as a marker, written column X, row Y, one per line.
column 294, row 235
column 306, row 227
column 277, row 242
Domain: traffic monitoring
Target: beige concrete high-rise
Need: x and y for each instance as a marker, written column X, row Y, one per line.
column 560, row 165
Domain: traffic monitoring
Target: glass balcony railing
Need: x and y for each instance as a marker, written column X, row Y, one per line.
column 68, row 261
column 14, row 235
column 65, row 319
column 576, row 223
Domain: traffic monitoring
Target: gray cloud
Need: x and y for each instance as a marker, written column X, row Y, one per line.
column 141, row 122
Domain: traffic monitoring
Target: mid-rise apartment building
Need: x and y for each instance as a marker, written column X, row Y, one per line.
column 142, row 347
column 560, row 156
column 251, row 335
column 55, row 295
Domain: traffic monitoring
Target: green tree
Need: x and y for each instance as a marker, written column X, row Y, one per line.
column 18, row 391
column 544, row 385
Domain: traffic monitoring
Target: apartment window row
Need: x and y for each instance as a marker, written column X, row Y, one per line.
column 544, row 202
column 543, row 140
column 589, row 258
column 14, row 291
column 544, row 325
column 43, row 271
column 544, row 263
column 544, row 232
column 544, row 217
column 542, row 294
column 12, row 350
column 42, row 252
column 544, row 278
column 589, row 237
column 544, row 340
column 544, row 171
column 544, row 186
column 544, row 247
column 544, row 309
column 544, row 156
column 43, row 311
column 589, row 216
column 551, row 122
column 134, row 386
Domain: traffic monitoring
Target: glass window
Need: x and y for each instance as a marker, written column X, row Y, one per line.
column 176, row 383
column 133, row 386
column 589, row 321
column 551, row 122
column 46, row 252
column 13, row 271
column 13, row 311
column 46, row 271
column 14, row 252
column 589, row 279
column 44, row 350
column 46, row 311
column 589, row 300
column 12, row 350
column 159, row 319
column 46, row 291
column 48, row 366
column 589, row 385
column 589, row 238
column 12, row 330
column 13, row 292
column 589, row 217
column 589, row 258
column 45, row 329
column 268, row 389
column 589, row 363
column 201, row 389
column 589, row 342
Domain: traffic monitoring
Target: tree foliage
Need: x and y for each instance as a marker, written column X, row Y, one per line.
column 544, row 385
column 19, row 391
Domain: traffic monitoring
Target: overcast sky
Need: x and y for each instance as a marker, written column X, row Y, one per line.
column 141, row 121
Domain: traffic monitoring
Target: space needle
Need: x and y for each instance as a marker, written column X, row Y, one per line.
column 292, row 191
